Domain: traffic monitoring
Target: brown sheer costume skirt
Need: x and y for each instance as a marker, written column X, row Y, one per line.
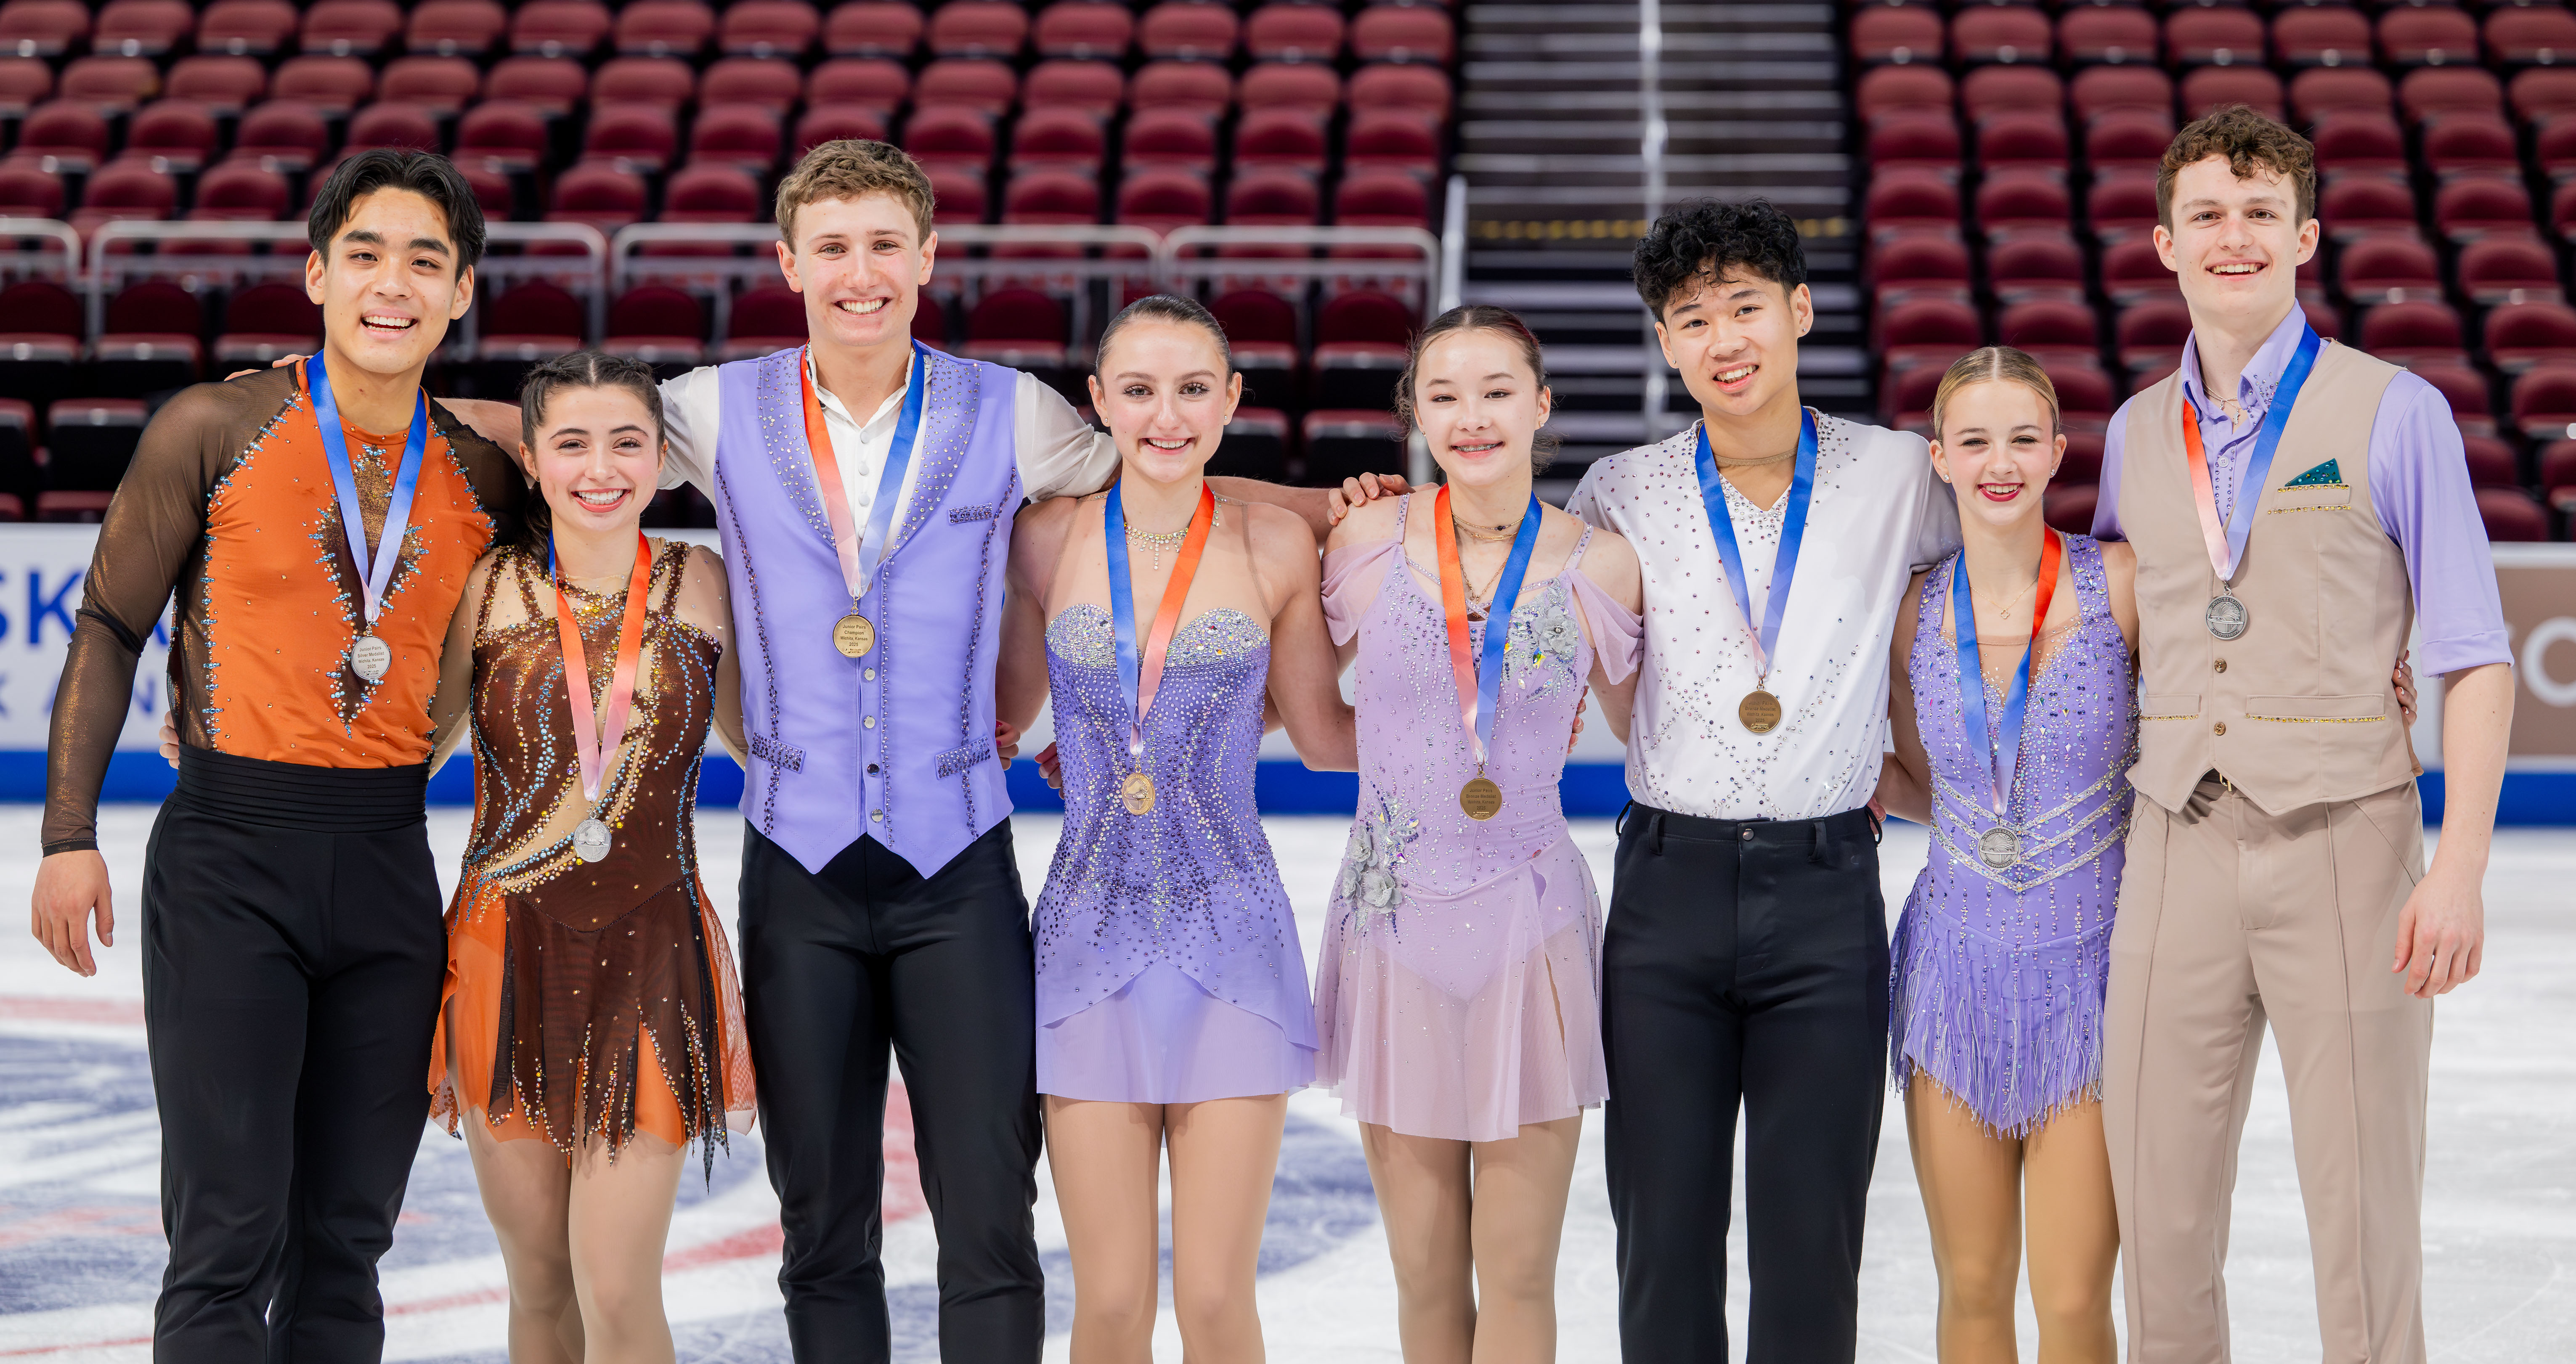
column 588, row 1001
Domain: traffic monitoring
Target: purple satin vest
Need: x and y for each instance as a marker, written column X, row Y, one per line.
column 898, row 744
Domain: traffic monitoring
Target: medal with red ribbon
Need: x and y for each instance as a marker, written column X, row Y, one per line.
column 2226, row 616
column 2000, row 846
column 854, row 634
column 592, row 742
column 1138, row 678
column 1480, row 684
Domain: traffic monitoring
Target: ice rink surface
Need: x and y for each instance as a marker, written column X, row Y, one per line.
column 81, row 1251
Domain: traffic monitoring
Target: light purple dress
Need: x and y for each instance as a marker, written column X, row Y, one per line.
column 1458, row 994
column 1998, row 975
column 1168, row 969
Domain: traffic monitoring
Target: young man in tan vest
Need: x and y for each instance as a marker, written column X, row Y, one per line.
column 2294, row 505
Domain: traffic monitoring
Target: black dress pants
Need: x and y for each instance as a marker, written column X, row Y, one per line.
column 293, row 953
column 1744, row 962
column 834, row 968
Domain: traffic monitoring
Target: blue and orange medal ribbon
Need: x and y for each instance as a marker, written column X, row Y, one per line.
column 592, row 742
column 2225, row 615
column 1140, row 677
column 1480, row 684
column 2000, row 750
column 369, row 657
column 854, row 634
column 1760, row 710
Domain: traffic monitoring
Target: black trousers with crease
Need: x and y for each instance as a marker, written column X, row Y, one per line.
column 835, row 968
column 1745, row 963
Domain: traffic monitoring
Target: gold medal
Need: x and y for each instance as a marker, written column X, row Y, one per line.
column 1138, row 793
column 853, row 635
column 1759, row 711
column 1480, row 798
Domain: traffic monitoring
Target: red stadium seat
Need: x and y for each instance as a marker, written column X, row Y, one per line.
column 2021, row 201
column 111, row 85
column 172, row 134
column 2080, row 468
column 43, row 28
column 26, row 81
column 351, row 28
column 713, row 192
column 392, row 125
column 2558, row 474
column 141, row 28
column 241, row 191
column 126, row 191
column 2364, row 205
column 1189, row 31
column 745, row 135
column 978, row 28
column 1085, row 29
column 2058, row 332
column 1200, row 87
column 1021, row 322
column 2355, row 141
column 2512, row 515
column 282, row 135
column 1403, row 33
column 2000, row 33
column 769, row 28
column 1928, row 331
column 1294, row 33
column 835, row 122
column 2214, row 37
column 252, row 28
column 2121, row 205
column 2521, row 335
column 2544, row 402
column 2206, row 88
column 1043, row 197
column 1309, row 87
column 2431, row 92
column 2508, row 268
column 2030, row 141
column 1908, row 266
column 1914, row 201
column 1280, row 139
column 2324, row 90
column 1911, row 87
column 1992, row 90
column 1096, row 88
column 2148, row 336
column 2466, row 391
column 1925, row 143
column 550, row 84
column 599, row 193
column 954, row 133
column 2389, row 268
column 2036, row 265
column 2530, row 35
column 2132, row 271
column 2472, row 144
column 873, row 28
column 1059, row 138
column 440, row 84
column 2100, row 33
column 632, row 136
column 977, row 82
column 2128, row 140
column 2321, row 36
column 2428, row 36
column 1161, row 200
column 1390, row 139
column 1381, row 199
column 1390, row 85
column 766, row 320
column 2464, row 210
column 503, row 134
column 664, row 28
column 329, row 86
column 1174, row 139
column 958, row 193
column 663, row 82
column 63, row 136
column 1272, row 199
column 877, row 83
column 1897, row 33
column 559, row 28
column 2098, row 90
column 2491, row 462
column 534, row 318
column 655, row 317
column 2083, row 398
column 769, row 82
column 2543, row 95
column 27, row 191
column 456, row 28
column 2414, row 332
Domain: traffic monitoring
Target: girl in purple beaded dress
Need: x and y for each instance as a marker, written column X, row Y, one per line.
column 1458, row 993
column 2001, row 957
column 1172, row 1001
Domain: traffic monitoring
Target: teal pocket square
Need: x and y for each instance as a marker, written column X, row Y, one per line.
column 2326, row 475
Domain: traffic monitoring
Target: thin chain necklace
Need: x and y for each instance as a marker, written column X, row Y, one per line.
column 1169, row 539
column 1731, row 462
column 1498, row 535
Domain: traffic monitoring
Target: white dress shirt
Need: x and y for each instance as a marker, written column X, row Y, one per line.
column 1058, row 451
column 1876, row 516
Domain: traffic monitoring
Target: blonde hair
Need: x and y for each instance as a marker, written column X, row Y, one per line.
column 1993, row 365
column 848, row 169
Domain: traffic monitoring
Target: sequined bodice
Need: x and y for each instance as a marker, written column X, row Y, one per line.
column 1191, row 881
column 1416, row 750
column 2070, row 801
column 528, row 795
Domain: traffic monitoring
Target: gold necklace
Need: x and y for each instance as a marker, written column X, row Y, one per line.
column 1160, row 540
column 1730, row 462
column 1498, row 535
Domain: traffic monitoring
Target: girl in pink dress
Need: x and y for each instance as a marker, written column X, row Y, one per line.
column 1458, row 994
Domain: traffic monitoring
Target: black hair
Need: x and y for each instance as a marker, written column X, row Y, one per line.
column 1164, row 308
column 427, row 174
column 1707, row 239
column 1479, row 317
column 580, row 369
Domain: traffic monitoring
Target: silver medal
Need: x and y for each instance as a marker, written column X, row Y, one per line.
column 1999, row 848
column 590, row 840
column 371, row 658
column 2225, row 616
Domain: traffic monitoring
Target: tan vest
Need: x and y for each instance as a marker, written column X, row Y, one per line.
column 2300, row 708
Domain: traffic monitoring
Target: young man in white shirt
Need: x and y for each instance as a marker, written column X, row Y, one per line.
column 1745, row 960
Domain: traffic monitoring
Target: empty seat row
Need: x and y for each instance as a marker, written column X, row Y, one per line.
column 2427, row 94
column 2321, row 35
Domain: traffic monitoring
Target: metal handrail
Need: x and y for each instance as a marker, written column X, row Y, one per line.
column 591, row 273
column 60, row 231
column 1653, row 134
column 1453, row 246
column 1178, row 264
column 107, row 267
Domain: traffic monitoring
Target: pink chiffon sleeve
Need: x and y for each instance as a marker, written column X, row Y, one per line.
column 1352, row 576
column 1618, row 634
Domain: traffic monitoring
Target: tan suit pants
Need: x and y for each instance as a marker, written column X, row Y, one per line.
column 2229, row 918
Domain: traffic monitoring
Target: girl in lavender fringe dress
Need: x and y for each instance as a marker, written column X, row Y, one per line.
column 1172, row 1002
column 1458, row 990
column 2013, row 740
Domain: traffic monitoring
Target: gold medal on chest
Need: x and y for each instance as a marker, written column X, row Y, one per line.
column 1137, row 792
column 853, row 635
column 1759, row 711
column 1480, row 798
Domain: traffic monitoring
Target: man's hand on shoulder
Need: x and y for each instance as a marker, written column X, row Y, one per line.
column 1360, row 491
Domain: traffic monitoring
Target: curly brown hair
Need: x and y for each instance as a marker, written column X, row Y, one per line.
column 2251, row 142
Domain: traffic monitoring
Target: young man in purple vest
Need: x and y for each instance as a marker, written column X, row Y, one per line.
column 881, row 901
column 2293, row 504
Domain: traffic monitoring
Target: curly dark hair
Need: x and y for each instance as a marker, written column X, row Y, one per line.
column 580, row 369
column 1708, row 239
column 2252, row 144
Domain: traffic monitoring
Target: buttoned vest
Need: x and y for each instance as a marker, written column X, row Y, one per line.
column 2300, row 708
column 896, row 744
